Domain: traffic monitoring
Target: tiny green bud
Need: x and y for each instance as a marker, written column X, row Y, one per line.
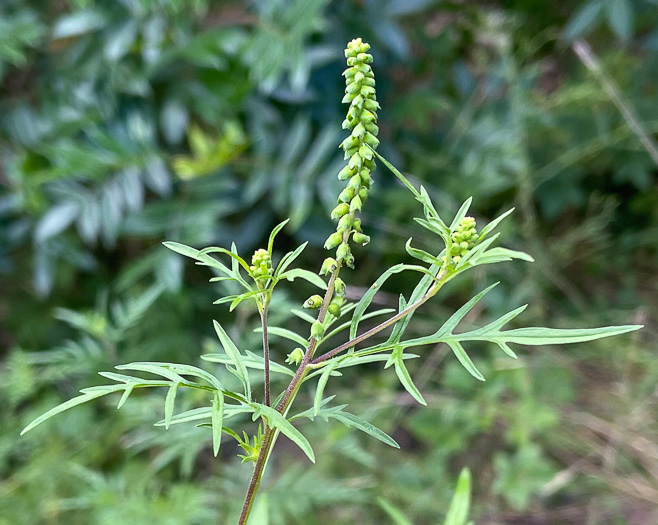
column 373, row 129
column 360, row 238
column 365, row 152
column 334, row 309
column 328, row 266
column 343, row 251
column 359, row 130
column 371, row 105
column 355, row 160
column 345, row 173
column 339, row 211
column 355, row 183
column 356, row 204
column 333, row 240
column 313, row 302
column 356, row 224
column 363, row 194
column 295, row 357
column 349, row 260
column 345, row 223
column 371, row 139
column 339, row 287
column 346, row 195
column 317, row 330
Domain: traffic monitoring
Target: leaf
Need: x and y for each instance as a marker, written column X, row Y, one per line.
column 56, row 220
column 201, row 413
column 216, row 418
column 456, row 318
column 347, row 419
column 403, row 374
column 169, row 404
column 288, row 259
column 461, row 501
column 203, row 258
column 421, row 254
column 394, row 513
column 511, row 254
column 87, row 396
column 492, row 333
column 583, row 20
column 466, row 362
column 322, row 383
column 236, row 357
column 494, row 224
column 311, row 277
column 461, row 213
column 276, row 420
column 419, row 291
column 284, row 332
column 621, row 19
column 534, row 336
column 251, row 360
column 399, row 175
column 350, row 420
column 367, row 298
column 160, row 369
column 277, row 229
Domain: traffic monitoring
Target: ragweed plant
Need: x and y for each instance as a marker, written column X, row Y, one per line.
column 461, row 246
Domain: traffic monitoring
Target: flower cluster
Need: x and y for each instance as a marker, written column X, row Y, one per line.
column 261, row 265
column 464, row 238
column 361, row 120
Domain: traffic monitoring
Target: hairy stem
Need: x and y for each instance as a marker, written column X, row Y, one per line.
column 286, row 401
column 266, row 352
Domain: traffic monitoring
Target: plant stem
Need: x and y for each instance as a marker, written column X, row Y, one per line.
column 331, row 353
column 266, row 352
column 286, row 400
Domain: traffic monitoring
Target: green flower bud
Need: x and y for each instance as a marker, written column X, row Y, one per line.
column 356, row 224
column 346, row 195
column 350, row 142
column 349, row 260
column 339, row 211
column 343, row 251
column 355, row 183
column 371, row 105
column 366, row 152
column 360, row 238
column 345, row 222
column 339, row 287
column 334, row 309
column 359, row 130
column 313, row 302
column 295, row 357
column 317, row 330
column 355, row 203
column 363, row 194
column 373, row 129
column 345, row 173
column 328, row 266
column 367, row 116
column 333, row 240
column 370, row 139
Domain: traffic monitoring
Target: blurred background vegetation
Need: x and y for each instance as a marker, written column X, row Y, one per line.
column 124, row 123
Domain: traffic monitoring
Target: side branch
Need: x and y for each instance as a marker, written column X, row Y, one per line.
column 366, row 335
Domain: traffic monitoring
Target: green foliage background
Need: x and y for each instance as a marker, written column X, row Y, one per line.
column 124, row 123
